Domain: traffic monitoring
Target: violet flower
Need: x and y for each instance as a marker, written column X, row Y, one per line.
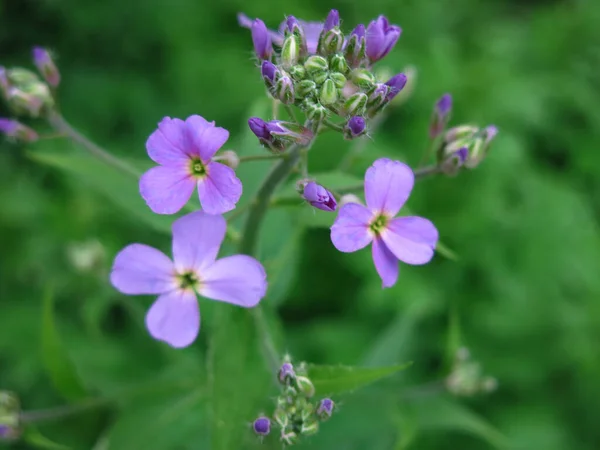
column 261, row 39
column 185, row 150
column 175, row 315
column 319, row 197
column 409, row 239
column 381, row 38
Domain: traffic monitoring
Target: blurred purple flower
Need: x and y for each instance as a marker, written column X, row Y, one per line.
column 175, row 315
column 44, row 63
column 319, row 197
column 409, row 239
column 16, row 130
column 441, row 115
column 184, row 150
column 381, row 38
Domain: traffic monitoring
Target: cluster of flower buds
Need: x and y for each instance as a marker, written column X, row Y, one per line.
column 27, row 95
column 10, row 410
column 460, row 146
column 326, row 74
column 297, row 413
column 466, row 378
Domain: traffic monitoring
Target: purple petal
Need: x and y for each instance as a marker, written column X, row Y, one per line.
column 244, row 20
column 312, row 31
column 197, row 238
column 207, row 138
column 174, row 318
column 387, row 185
column 386, row 263
column 411, row 239
column 140, row 269
column 167, row 145
column 166, row 189
column 220, row 190
column 239, row 279
column 350, row 231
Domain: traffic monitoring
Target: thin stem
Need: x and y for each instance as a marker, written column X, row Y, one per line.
column 59, row 412
column 333, row 126
column 262, row 157
column 359, row 144
column 291, row 113
column 62, row 126
column 428, row 151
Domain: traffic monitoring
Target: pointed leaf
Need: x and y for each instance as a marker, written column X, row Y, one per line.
column 331, row 380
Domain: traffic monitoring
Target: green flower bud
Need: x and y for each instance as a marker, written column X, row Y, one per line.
column 339, row 64
column 10, row 410
column 355, row 105
column 316, row 63
column 305, row 386
column 281, row 417
column 305, row 88
column 309, row 428
column 338, row 79
column 298, row 72
column 362, row 78
column 26, row 93
column 290, row 52
column 284, row 90
column 314, row 111
column 289, row 438
column 320, row 77
column 329, row 93
column 331, row 42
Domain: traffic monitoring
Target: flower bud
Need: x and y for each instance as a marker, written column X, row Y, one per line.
column 4, row 83
column 286, row 373
column 362, row 78
column 316, row 63
column 297, row 72
column 44, row 63
column 325, row 408
column 278, row 135
column 378, row 96
column 309, row 428
column 281, row 417
column 355, row 105
column 27, row 94
column 455, row 161
column 270, row 74
column 381, row 38
column 305, row 88
column 350, row 198
column 329, row 93
column 338, row 79
column 319, row 197
column 459, row 132
column 290, row 52
column 229, row 158
column 332, row 20
column 262, row 426
column 440, row 116
column 284, row 90
column 338, row 64
column 261, row 39
column 289, row 438
column 294, row 28
column 355, row 127
column 10, row 411
column 480, row 147
column 17, row 131
column 314, row 111
column 396, row 84
column 355, row 51
column 305, row 386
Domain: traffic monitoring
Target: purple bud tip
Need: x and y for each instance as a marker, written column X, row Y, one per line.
column 43, row 62
column 491, row 131
column 461, row 154
column 292, row 23
column 381, row 38
column 359, row 31
column 269, row 71
column 259, row 128
column 286, row 372
column 444, row 105
column 333, row 20
column 325, row 408
column 357, row 125
column 319, row 197
column 262, row 426
column 396, row 83
column 261, row 39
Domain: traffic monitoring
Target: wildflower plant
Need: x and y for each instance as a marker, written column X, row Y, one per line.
column 324, row 79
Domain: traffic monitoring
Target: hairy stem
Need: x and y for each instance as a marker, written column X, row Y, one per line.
column 262, row 157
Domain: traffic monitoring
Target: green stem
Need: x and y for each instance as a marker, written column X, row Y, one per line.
column 428, row 151
column 359, row 144
column 291, row 113
column 262, row 157
column 333, row 126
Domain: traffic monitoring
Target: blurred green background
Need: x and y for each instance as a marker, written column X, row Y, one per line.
column 523, row 296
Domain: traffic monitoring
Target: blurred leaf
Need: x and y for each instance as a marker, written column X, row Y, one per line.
column 36, row 439
column 61, row 370
column 331, row 380
column 440, row 414
column 116, row 186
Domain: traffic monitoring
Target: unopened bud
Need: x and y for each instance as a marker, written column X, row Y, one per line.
column 261, row 39
column 459, row 132
column 319, row 197
column 305, row 88
column 331, row 41
column 440, row 116
column 314, row 111
column 294, row 28
column 4, row 83
column 325, row 409
column 44, row 63
column 15, row 130
column 396, row 84
column 27, row 94
column 350, row 198
column 355, row 127
column 356, row 104
column 262, row 426
column 305, row 386
column 289, row 438
column 316, row 63
column 290, row 52
column 338, row 79
column 355, row 51
column 297, row 72
column 339, row 64
column 329, row 93
column 309, row 428
column 286, row 373
column 281, row 417
column 362, row 78
column 229, row 158
column 455, row 161
column 284, row 90
column 480, row 146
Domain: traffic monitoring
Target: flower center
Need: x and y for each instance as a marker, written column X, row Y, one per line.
column 197, row 167
column 378, row 224
column 188, row 280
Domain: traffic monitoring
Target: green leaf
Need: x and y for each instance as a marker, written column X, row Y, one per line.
column 36, row 439
column 56, row 360
column 442, row 414
column 331, row 380
column 116, row 186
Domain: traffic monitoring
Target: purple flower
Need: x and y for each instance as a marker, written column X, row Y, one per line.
column 319, row 197
column 175, row 316
column 184, row 150
column 332, row 20
column 396, row 84
column 381, row 38
column 355, row 127
column 312, row 31
column 325, row 408
column 44, row 63
column 262, row 426
column 409, row 239
column 441, row 115
column 16, row 130
column 261, row 39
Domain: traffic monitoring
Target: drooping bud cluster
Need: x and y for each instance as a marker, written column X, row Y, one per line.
column 326, row 74
column 466, row 378
column 297, row 414
column 10, row 410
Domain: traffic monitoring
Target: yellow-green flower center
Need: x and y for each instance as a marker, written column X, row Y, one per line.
column 188, row 280
column 378, row 224
column 197, row 167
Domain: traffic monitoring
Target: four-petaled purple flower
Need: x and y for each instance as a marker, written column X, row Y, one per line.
column 175, row 316
column 381, row 38
column 409, row 239
column 319, row 197
column 184, row 150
